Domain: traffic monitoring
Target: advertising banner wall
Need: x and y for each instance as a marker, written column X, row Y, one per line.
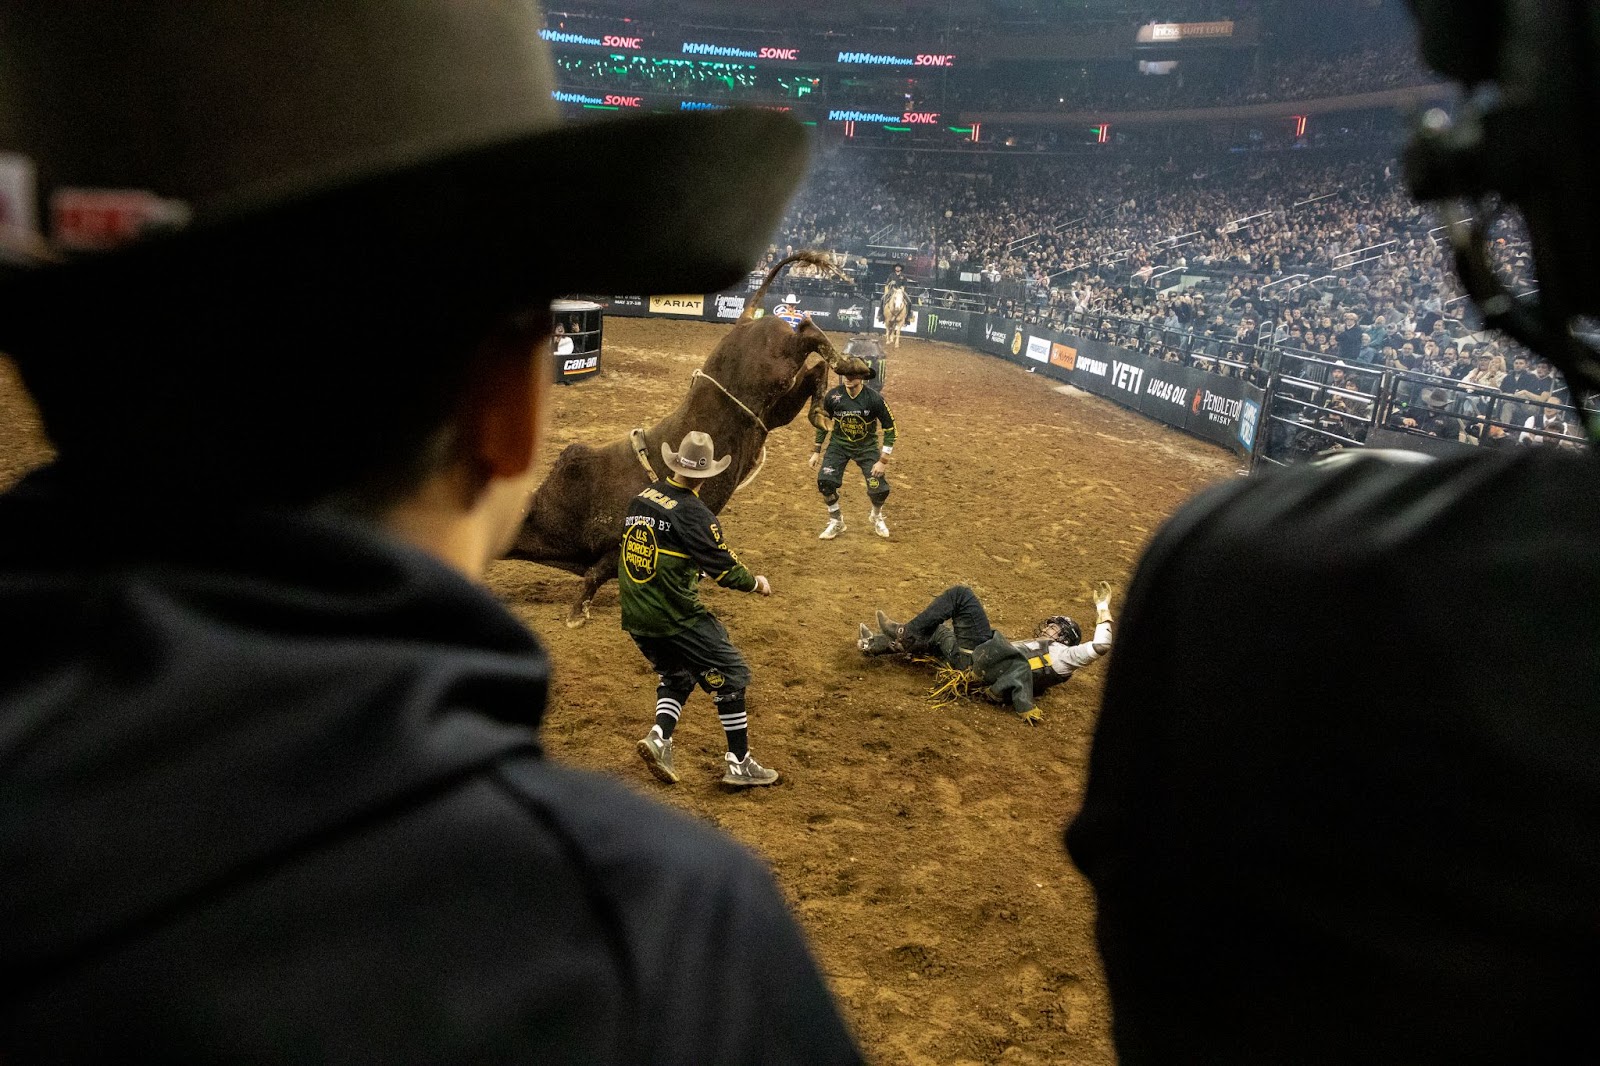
column 945, row 324
column 692, row 306
column 626, row 306
column 1224, row 410
column 909, row 328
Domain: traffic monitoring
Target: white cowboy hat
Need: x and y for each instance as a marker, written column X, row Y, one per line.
column 694, row 457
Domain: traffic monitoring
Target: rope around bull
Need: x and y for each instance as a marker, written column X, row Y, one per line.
column 702, row 374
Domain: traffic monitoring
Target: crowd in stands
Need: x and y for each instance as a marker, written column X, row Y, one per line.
column 1222, row 263
column 1218, row 81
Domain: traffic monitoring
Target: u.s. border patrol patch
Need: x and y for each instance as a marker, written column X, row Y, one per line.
column 852, row 426
column 639, row 554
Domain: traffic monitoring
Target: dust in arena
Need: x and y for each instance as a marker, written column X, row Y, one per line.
column 920, row 848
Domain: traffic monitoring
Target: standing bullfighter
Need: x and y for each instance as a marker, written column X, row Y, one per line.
column 669, row 540
column 855, row 413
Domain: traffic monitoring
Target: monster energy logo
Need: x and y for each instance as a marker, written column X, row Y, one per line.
column 933, row 323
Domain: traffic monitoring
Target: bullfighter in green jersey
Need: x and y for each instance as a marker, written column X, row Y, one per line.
column 669, row 540
column 855, row 412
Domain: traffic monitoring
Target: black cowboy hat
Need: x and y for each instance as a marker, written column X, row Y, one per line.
column 172, row 164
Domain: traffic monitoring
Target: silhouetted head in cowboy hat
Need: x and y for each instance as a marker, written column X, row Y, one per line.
column 300, row 254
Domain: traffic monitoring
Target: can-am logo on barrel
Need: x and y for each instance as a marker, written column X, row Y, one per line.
column 581, row 366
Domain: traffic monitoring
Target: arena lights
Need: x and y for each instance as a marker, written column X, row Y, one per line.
column 561, row 37
column 610, row 40
column 700, row 48
column 879, row 59
column 839, row 115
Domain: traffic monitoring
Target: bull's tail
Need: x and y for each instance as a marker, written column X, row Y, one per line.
column 816, row 259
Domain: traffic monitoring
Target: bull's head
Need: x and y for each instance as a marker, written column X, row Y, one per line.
column 776, row 369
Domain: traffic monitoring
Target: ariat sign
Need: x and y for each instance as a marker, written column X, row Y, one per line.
column 677, row 305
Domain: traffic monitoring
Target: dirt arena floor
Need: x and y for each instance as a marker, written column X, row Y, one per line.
column 921, row 849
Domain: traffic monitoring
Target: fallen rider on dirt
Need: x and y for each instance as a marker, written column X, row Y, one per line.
column 974, row 658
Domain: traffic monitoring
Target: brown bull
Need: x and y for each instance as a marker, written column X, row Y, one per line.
column 757, row 378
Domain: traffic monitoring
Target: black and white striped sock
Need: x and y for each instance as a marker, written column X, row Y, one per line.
column 668, row 710
column 735, row 723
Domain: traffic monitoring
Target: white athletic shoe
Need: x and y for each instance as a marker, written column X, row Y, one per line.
column 743, row 773
column 879, row 526
column 834, row 527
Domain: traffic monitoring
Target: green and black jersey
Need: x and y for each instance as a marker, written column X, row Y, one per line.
column 670, row 538
column 856, row 420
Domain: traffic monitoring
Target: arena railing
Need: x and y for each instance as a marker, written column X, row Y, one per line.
column 1272, row 404
column 1316, row 402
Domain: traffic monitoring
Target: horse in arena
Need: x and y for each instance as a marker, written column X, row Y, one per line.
column 757, row 378
column 896, row 312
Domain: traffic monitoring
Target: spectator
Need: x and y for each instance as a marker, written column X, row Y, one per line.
column 274, row 787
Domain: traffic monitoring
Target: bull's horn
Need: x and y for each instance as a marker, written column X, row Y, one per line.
column 814, row 414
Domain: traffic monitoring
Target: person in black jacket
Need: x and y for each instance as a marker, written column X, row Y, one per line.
column 273, row 785
column 1350, row 837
